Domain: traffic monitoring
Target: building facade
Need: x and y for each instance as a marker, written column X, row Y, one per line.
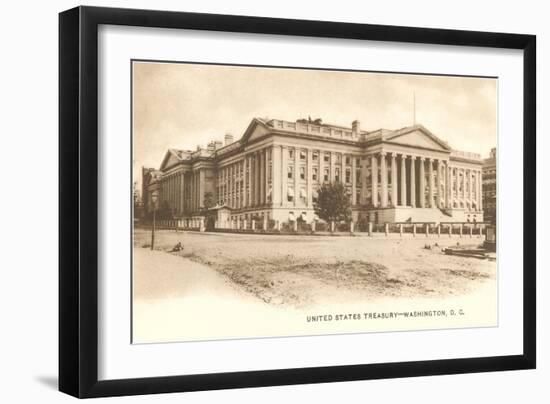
column 489, row 187
column 274, row 170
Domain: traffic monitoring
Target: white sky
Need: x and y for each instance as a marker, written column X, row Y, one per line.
column 184, row 105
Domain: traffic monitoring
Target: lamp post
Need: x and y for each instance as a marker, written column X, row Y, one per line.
column 154, row 197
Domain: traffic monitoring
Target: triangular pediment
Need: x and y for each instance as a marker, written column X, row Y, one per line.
column 418, row 136
column 170, row 159
column 256, row 129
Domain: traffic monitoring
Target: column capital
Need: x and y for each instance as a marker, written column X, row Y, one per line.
column 422, row 158
column 383, row 153
column 393, row 154
column 410, row 156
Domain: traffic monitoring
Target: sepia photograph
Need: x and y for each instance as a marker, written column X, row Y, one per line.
column 290, row 201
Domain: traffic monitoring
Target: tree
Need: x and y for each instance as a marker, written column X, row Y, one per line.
column 208, row 201
column 333, row 202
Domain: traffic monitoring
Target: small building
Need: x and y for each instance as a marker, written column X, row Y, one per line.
column 489, row 186
column 150, row 182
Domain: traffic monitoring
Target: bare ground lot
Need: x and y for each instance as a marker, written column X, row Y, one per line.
column 304, row 271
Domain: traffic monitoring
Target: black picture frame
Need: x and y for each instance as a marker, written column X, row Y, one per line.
column 78, row 201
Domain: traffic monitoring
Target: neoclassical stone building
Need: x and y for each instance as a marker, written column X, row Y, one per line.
column 275, row 168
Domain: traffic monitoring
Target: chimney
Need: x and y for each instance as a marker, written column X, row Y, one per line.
column 356, row 127
column 228, row 138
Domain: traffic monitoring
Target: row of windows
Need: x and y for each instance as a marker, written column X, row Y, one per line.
column 302, row 154
column 326, row 174
column 290, row 195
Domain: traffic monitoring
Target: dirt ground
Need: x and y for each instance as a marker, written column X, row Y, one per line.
column 304, row 271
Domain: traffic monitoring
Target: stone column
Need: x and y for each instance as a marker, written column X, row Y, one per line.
column 445, row 184
column 261, row 172
column 470, row 179
column 354, row 200
column 231, row 186
column 251, row 199
column 332, row 174
column 463, row 184
column 195, row 191
column 321, row 167
column 169, row 190
column 296, row 175
column 450, row 185
column 363, row 181
column 374, row 179
column 175, row 188
column 309, row 177
column 413, row 181
column 182, row 192
column 276, row 175
column 403, row 181
column 202, row 186
column 438, row 183
column 234, row 184
column 267, row 171
column 242, row 188
column 226, row 186
column 283, row 176
column 249, row 181
column 191, row 194
column 430, row 184
column 343, row 169
column 480, row 191
column 393, row 180
column 422, row 189
column 383, row 180
column 257, row 201
column 468, row 187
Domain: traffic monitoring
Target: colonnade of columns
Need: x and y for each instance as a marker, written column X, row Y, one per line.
column 285, row 176
column 247, row 182
column 399, row 179
column 183, row 191
column 170, row 191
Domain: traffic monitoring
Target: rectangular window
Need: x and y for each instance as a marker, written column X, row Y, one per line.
column 315, row 156
column 315, row 173
column 357, row 198
column 348, row 160
column 326, row 157
column 290, row 194
column 337, row 175
column 348, row 176
column 338, row 158
column 302, row 173
column 290, row 153
column 325, row 175
column 357, row 177
column 358, row 162
column 290, row 172
column 303, row 195
column 302, row 154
